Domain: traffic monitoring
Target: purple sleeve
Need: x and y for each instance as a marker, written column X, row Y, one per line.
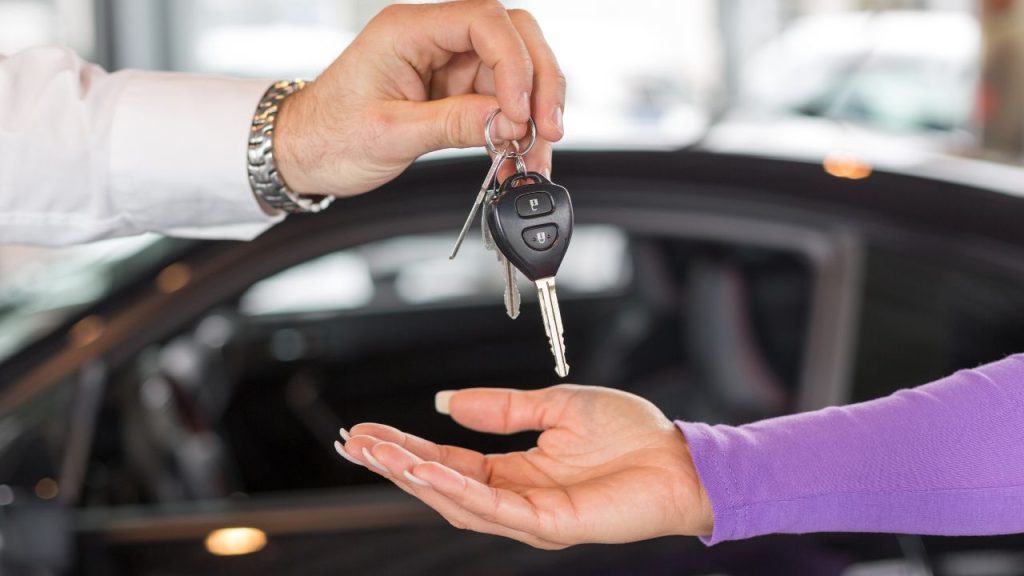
column 945, row 458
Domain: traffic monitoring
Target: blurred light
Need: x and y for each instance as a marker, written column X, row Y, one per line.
column 235, row 541
column 277, row 49
column 25, row 24
column 86, row 331
column 156, row 393
column 214, row 331
column 6, row 495
column 47, row 488
column 173, row 278
column 336, row 281
column 843, row 165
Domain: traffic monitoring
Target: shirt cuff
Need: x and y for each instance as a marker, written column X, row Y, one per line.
column 178, row 155
column 705, row 449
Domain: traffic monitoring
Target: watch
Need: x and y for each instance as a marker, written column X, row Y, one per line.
column 265, row 180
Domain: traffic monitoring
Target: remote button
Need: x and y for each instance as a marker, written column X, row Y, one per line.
column 535, row 204
column 541, row 238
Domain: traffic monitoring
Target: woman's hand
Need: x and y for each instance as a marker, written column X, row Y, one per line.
column 420, row 78
column 608, row 467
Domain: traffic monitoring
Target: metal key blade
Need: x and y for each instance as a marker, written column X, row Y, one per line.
column 485, row 229
column 552, row 323
column 498, row 159
column 513, row 300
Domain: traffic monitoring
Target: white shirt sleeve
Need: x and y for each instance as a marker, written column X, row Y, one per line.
column 86, row 155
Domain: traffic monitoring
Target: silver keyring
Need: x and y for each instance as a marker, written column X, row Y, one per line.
column 490, row 143
column 520, row 163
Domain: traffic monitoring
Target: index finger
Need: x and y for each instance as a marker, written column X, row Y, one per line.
column 505, row 410
column 427, row 36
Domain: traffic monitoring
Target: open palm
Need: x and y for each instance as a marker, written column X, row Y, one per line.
column 608, row 467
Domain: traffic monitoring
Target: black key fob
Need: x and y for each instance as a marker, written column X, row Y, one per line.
column 530, row 219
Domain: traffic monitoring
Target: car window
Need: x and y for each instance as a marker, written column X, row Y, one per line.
column 50, row 286
column 415, row 270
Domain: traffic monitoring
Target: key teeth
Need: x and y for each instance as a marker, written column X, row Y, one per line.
column 561, row 368
column 510, row 308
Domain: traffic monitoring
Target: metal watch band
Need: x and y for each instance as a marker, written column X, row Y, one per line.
column 264, row 178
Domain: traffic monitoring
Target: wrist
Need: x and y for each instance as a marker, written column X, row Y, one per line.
column 289, row 152
column 697, row 514
column 705, row 521
column 265, row 176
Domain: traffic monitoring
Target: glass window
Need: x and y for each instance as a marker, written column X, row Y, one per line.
column 415, row 270
column 27, row 23
column 42, row 289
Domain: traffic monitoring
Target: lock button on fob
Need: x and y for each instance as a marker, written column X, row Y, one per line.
column 541, row 238
column 534, row 204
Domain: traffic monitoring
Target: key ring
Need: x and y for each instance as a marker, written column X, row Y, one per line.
column 520, row 163
column 490, row 143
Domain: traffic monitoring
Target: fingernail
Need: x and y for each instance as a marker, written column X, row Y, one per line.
column 344, row 434
column 556, row 118
column 443, row 401
column 341, row 451
column 415, row 479
column 524, row 101
column 374, row 462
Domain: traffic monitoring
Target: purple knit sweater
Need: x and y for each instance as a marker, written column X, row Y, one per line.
column 945, row 458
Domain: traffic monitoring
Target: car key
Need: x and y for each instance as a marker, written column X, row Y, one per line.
column 531, row 224
column 513, row 299
column 499, row 157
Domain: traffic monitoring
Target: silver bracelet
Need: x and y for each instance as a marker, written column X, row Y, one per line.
column 266, row 181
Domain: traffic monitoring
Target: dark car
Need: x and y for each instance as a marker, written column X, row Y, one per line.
column 201, row 386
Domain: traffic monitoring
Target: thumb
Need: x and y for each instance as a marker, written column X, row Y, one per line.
column 503, row 410
column 452, row 122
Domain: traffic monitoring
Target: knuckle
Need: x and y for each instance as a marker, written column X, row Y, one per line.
column 453, row 127
column 558, row 77
column 527, row 63
column 489, row 7
column 392, row 10
column 523, row 16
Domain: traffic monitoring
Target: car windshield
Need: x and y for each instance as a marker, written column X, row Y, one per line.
column 817, row 79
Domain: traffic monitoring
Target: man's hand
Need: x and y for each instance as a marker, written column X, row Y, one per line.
column 609, row 467
column 420, row 78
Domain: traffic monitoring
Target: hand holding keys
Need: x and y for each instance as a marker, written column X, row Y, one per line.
column 528, row 220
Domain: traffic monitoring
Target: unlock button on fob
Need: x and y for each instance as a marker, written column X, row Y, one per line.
column 541, row 238
column 535, row 204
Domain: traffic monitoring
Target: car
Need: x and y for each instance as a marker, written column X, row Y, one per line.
column 184, row 412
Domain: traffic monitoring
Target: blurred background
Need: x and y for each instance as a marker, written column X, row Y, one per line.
column 782, row 205
column 849, row 83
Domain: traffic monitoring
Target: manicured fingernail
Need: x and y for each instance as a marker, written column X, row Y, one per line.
column 341, row 451
column 374, row 462
column 344, row 434
column 556, row 118
column 443, row 401
column 414, row 479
